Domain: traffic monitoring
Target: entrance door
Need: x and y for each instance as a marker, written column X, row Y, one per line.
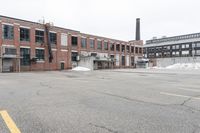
column 62, row 65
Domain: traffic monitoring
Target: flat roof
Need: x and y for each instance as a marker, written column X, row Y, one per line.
column 173, row 38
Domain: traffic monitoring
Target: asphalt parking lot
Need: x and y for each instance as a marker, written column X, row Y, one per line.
column 108, row 101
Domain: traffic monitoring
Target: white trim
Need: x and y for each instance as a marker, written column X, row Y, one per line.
column 74, row 51
column 0, row 21
column 83, row 37
column 6, row 45
column 53, row 49
column 99, row 39
column 66, row 34
column 52, row 31
column 8, row 24
column 16, row 24
column 25, row 27
column 92, row 38
column 75, row 35
column 62, row 61
column 39, row 29
column 39, row 48
column 64, row 50
column 25, row 47
column 139, row 46
column 40, row 61
column 105, row 40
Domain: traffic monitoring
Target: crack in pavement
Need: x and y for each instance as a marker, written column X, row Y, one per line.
column 145, row 102
column 128, row 99
column 103, row 127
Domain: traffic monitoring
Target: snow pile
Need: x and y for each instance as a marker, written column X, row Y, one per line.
column 189, row 66
column 80, row 69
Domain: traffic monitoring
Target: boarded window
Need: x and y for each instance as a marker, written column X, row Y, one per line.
column 64, row 39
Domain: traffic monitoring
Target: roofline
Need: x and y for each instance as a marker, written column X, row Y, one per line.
column 64, row 29
column 35, row 23
column 174, row 36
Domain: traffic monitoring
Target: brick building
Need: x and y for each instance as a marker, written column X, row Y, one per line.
column 30, row 46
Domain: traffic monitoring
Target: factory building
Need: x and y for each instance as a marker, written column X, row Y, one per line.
column 170, row 50
column 34, row 46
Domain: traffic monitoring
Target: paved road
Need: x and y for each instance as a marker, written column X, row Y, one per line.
column 117, row 101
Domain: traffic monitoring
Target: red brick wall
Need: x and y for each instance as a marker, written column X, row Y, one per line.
column 61, row 53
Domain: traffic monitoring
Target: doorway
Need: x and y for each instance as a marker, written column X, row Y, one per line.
column 62, row 65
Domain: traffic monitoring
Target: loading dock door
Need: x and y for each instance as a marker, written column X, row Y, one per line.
column 7, row 65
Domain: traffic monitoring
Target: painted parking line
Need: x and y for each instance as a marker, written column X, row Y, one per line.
column 177, row 95
column 194, row 90
column 9, row 122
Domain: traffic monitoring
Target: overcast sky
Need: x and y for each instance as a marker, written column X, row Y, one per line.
column 112, row 18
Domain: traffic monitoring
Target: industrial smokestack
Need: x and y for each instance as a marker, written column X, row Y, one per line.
column 137, row 37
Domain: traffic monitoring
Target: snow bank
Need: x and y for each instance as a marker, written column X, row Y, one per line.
column 80, row 69
column 184, row 66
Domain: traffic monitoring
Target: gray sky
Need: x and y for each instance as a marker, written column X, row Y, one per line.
column 112, row 18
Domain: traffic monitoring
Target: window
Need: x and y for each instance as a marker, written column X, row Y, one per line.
column 175, row 54
column 10, row 51
column 197, row 52
column 185, row 53
column 112, row 47
column 74, row 56
column 39, row 54
column 118, row 47
column 39, row 36
column 198, row 44
column 123, row 48
column 136, row 50
column 177, row 46
column 25, row 54
column 105, row 45
column 83, row 42
column 132, row 49
column 187, row 45
column 74, row 41
column 123, row 60
column 127, row 48
column 92, row 43
column 140, row 50
column 53, row 38
column 24, row 34
column 99, row 45
column 8, row 32
column 64, row 39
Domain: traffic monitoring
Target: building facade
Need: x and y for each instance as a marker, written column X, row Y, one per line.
column 184, row 48
column 31, row 46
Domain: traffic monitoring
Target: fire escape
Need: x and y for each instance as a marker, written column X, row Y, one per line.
column 47, row 30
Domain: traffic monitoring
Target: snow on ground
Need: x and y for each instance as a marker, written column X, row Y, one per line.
column 185, row 66
column 80, row 69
